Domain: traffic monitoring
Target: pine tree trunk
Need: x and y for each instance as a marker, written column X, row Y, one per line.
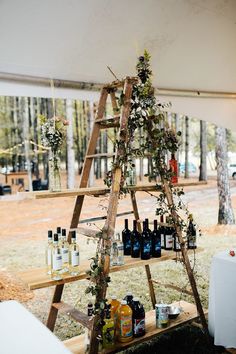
column 225, row 214
column 70, row 149
column 186, row 172
column 203, row 151
column 25, row 113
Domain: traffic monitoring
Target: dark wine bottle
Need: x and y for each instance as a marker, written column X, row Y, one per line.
column 135, row 241
column 147, row 223
column 156, row 241
column 168, row 243
column 191, row 234
column 162, row 232
column 145, row 243
column 176, row 244
column 126, row 238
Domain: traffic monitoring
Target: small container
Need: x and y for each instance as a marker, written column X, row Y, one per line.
column 162, row 315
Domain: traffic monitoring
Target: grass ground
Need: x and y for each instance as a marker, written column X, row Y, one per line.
column 24, row 225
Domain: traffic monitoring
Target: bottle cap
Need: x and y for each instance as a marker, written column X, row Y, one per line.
column 63, row 232
column 73, row 234
column 55, row 237
column 113, row 297
column 58, row 229
column 49, row 233
column 136, row 299
column 123, row 302
column 129, row 293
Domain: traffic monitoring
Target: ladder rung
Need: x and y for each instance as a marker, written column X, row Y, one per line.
column 74, row 313
column 97, row 218
column 109, row 122
column 98, row 156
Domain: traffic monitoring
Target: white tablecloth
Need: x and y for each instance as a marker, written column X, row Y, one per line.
column 222, row 300
column 22, row 333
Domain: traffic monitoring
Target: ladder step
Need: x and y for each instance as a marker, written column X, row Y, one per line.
column 97, row 218
column 109, row 122
column 99, row 156
column 77, row 315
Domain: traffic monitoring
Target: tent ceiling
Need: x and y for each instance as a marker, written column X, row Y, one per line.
column 192, row 42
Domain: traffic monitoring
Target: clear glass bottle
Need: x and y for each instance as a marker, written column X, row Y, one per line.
column 48, row 252
column 120, row 249
column 59, row 233
column 64, row 245
column 74, row 258
column 114, row 253
column 56, row 260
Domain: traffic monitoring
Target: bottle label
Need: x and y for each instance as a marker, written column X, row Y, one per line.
column 169, row 241
column 192, row 241
column 74, row 258
column 157, row 246
column 147, row 246
column 49, row 257
column 126, row 326
column 128, row 244
column 136, row 246
column 139, row 326
column 56, row 262
column 162, row 240
column 65, row 255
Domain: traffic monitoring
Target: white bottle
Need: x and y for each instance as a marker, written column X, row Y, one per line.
column 56, row 260
column 64, row 246
column 120, row 249
column 74, row 259
column 48, row 252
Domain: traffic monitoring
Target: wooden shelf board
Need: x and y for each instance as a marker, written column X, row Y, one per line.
column 76, row 344
column 92, row 191
column 38, row 279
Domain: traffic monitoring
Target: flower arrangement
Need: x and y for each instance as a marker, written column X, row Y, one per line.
column 53, row 132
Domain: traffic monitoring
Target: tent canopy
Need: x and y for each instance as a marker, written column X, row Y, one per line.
column 192, row 43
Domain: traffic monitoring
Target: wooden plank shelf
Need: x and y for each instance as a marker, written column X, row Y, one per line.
column 96, row 191
column 38, row 279
column 76, row 344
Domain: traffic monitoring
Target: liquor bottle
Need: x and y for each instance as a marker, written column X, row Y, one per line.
column 191, row 234
column 126, row 234
column 74, row 258
column 120, row 249
column 174, row 168
column 59, row 233
column 124, row 323
column 138, row 318
column 87, row 336
column 129, row 298
column 156, row 241
column 108, row 330
column 56, row 260
column 168, row 240
column 64, row 245
column 48, row 252
column 162, row 232
column 176, row 244
column 145, row 243
column 135, row 241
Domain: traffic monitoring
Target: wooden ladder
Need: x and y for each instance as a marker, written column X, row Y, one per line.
column 120, row 121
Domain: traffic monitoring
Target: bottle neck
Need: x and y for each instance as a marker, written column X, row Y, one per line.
column 172, row 156
column 144, row 226
column 126, row 224
column 135, row 225
column 155, row 224
column 162, row 218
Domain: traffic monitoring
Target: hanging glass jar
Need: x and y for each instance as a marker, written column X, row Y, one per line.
column 54, row 172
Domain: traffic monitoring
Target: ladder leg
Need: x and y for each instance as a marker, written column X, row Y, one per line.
column 53, row 311
column 150, row 284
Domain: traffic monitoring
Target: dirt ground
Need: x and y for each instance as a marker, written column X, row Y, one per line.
column 23, row 235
